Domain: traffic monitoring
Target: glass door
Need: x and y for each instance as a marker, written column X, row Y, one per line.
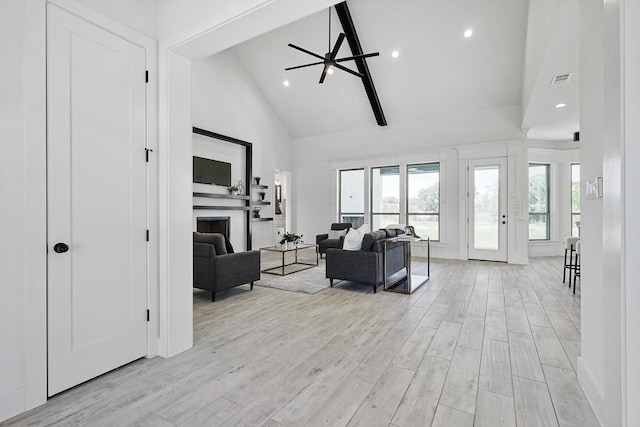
column 488, row 209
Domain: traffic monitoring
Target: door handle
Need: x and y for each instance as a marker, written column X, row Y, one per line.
column 61, row 247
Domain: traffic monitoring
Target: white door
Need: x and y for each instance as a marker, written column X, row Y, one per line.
column 96, row 192
column 488, row 209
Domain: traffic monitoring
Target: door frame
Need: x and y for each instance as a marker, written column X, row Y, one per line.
column 502, row 254
column 61, row 372
column 150, row 47
column 515, row 151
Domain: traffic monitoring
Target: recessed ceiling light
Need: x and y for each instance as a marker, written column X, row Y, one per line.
column 330, row 70
column 286, row 82
column 561, row 105
column 468, row 33
column 395, row 54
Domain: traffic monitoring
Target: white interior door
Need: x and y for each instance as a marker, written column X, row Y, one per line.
column 96, row 191
column 488, row 209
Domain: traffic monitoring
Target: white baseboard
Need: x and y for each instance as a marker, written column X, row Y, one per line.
column 591, row 389
column 11, row 403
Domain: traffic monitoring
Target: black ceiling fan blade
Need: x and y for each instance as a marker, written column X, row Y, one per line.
column 306, row 51
column 336, row 47
column 364, row 55
column 355, row 73
column 324, row 73
column 302, row 66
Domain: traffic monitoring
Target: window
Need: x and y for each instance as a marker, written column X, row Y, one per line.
column 423, row 199
column 575, row 199
column 385, row 196
column 538, row 202
column 352, row 196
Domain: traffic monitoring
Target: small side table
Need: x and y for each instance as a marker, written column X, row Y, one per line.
column 403, row 281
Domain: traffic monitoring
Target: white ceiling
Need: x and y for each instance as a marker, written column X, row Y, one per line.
column 438, row 72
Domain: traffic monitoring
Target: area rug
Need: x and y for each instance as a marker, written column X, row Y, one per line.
column 310, row 281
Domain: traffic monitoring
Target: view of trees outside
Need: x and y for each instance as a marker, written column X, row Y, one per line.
column 575, row 198
column 352, row 197
column 423, row 199
column 385, row 196
column 538, row 202
column 486, row 208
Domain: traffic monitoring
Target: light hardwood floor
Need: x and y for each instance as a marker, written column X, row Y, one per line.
column 482, row 344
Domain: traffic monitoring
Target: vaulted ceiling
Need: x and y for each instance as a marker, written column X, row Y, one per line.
column 438, row 72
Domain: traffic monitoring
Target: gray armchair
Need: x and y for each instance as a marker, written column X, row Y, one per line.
column 324, row 242
column 216, row 270
column 366, row 266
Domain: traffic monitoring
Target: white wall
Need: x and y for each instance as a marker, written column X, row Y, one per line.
column 23, row 212
column 226, row 101
column 316, row 160
column 632, row 207
column 608, row 367
column 140, row 15
column 23, row 237
column 591, row 364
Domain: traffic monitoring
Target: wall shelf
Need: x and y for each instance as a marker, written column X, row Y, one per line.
column 222, row 196
column 259, row 186
column 261, row 219
column 260, row 203
column 223, row 208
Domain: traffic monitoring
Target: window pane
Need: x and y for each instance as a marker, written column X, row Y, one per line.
column 426, row 225
column 423, row 188
column 538, row 226
column 486, row 230
column 385, row 190
column 355, row 220
column 575, row 198
column 381, row 221
column 352, row 191
column 538, row 188
column 575, row 225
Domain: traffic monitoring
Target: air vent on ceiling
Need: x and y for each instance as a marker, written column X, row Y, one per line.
column 561, row 78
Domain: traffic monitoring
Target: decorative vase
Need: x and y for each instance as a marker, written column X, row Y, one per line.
column 290, row 245
column 257, row 178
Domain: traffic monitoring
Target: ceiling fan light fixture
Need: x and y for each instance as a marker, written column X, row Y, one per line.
column 330, row 60
column 468, row 33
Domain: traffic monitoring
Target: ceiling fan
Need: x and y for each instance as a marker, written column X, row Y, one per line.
column 329, row 59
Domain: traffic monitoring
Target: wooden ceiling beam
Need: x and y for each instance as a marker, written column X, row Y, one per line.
column 356, row 49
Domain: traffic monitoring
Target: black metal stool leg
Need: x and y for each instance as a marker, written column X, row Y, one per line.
column 564, row 271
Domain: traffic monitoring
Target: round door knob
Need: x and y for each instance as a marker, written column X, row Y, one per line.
column 61, row 247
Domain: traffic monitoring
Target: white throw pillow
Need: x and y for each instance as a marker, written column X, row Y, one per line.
column 337, row 234
column 364, row 228
column 353, row 240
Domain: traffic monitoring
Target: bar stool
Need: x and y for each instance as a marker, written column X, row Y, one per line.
column 576, row 268
column 570, row 248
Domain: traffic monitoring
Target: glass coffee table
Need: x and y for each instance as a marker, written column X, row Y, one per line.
column 292, row 267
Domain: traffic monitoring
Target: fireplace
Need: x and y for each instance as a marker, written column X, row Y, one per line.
column 214, row 224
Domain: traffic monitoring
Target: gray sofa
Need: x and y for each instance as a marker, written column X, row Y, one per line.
column 324, row 242
column 214, row 269
column 366, row 266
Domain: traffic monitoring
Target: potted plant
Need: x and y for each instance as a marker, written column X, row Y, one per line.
column 290, row 239
column 236, row 189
